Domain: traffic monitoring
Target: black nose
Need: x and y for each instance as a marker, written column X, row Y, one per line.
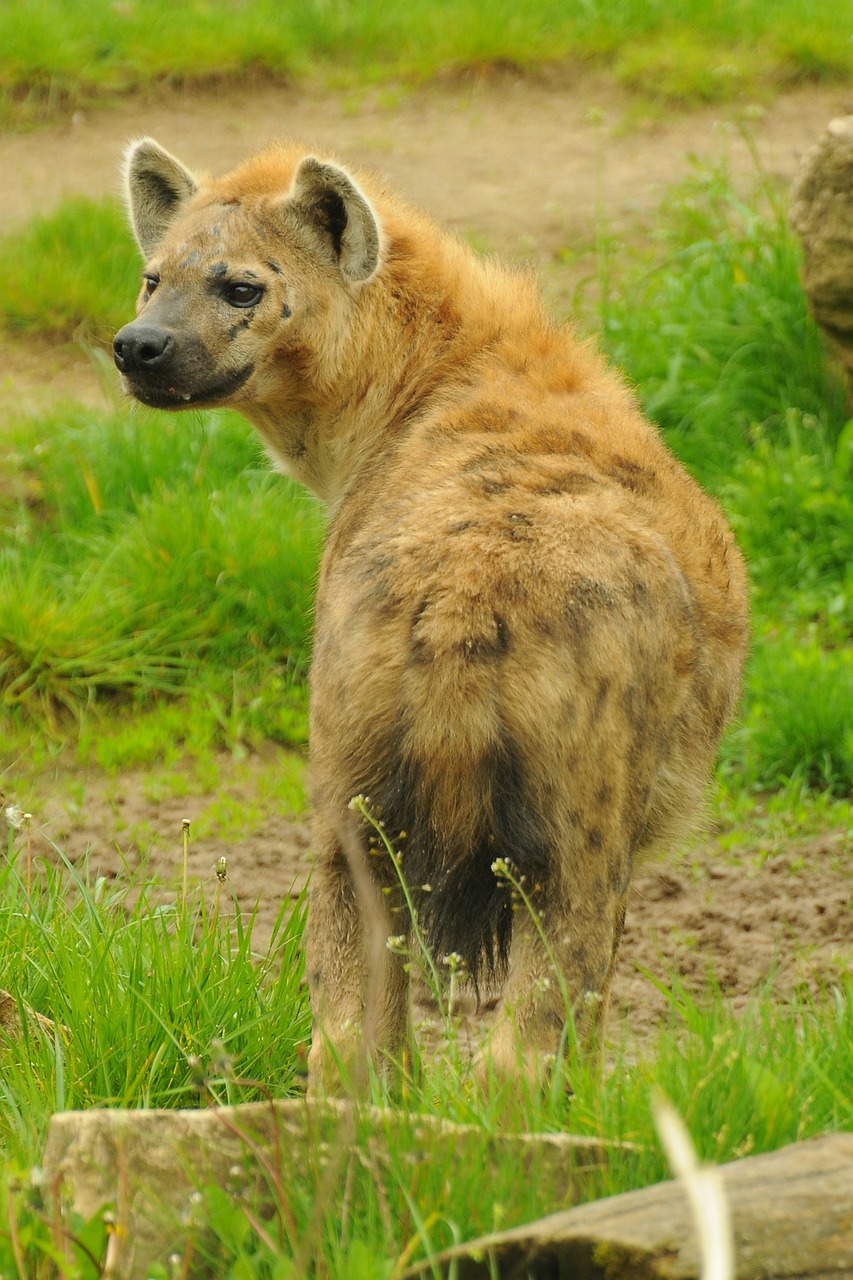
column 142, row 348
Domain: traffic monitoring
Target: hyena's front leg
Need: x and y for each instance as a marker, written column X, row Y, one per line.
column 359, row 989
column 561, row 967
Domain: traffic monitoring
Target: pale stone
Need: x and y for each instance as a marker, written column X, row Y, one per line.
column 822, row 214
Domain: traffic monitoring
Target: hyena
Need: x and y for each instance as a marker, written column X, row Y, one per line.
column 531, row 622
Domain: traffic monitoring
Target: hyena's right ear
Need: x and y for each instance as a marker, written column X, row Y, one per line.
column 156, row 185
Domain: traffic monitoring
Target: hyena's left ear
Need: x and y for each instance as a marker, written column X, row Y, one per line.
column 157, row 186
column 339, row 214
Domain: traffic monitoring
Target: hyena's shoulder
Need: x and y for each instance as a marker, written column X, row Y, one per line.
column 527, row 478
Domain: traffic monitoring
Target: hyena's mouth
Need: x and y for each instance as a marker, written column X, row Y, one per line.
column 160, row 396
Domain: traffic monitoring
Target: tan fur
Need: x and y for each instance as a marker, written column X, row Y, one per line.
column 531, row 623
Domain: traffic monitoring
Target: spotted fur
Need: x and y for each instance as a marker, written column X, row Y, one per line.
column 531, row 623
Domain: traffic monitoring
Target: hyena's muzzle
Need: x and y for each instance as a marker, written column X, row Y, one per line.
column 167, row 367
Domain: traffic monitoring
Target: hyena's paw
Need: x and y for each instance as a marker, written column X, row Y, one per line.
column 506, row 1060
column 337, row 1064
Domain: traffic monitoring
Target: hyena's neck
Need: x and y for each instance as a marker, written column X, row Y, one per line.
column 434, row 312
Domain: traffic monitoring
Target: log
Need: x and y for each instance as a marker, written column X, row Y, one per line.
column 146, row 1165
column 792, row 1213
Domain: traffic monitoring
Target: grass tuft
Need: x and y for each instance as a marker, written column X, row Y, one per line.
column 142, row 567
column 137, row 987
column 94, row 273
column 718, row 338
column 58, row 58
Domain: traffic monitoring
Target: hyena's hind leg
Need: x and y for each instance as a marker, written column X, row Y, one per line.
column 359, row 989
column 561, row 966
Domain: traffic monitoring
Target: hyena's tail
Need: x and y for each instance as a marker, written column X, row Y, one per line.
column 455, row 816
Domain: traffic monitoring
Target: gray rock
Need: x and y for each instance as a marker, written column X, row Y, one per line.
column 822, row 215
column 149, row 1167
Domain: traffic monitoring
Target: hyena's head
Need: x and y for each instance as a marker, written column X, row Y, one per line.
column 249, row 281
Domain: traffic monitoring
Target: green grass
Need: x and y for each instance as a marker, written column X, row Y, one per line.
column 94, row 275
column 154, row 997
column 135, row 564
column 136, row 991
column 799, row 724
column 148, row 993
column 717, row 337
column 59, row 56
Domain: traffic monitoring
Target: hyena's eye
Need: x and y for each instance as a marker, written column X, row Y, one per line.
column 151, row 283
column 243, row 295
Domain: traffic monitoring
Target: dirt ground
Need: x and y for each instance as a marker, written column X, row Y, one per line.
column 530, row 170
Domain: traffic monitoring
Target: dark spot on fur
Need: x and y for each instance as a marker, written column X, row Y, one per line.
column 490, row 417
column 618, row 880
column 492, row 455
column 274, row 266
column 577, row 626
column 631, row 475
column 582, row 443
column 588, row 594
column 218, row 270
column 604, row 796
column 491, row 486
column 286, row 312
column 407, row 308
column 602, row 693
column 640, row 594
column 516, row 532
column 570, row 483
column 421, row 652
column 238, row 327
column 595, row 838
column 373, row 562
column 630, row 706
column 518, row 522
column 578, row 482
column 483, row 648
column 459, row 526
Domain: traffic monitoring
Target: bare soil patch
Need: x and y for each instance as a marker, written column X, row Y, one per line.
column 528, row 170
column 519, row 163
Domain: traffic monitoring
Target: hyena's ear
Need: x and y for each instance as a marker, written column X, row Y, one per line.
column 339, row 214
column 157, row 185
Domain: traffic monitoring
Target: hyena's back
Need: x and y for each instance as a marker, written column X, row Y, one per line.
column 513, row 664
